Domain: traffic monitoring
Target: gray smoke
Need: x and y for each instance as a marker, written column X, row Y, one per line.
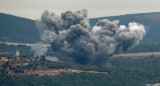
column 71, row 35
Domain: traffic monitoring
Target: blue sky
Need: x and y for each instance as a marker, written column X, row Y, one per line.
column 96, row 8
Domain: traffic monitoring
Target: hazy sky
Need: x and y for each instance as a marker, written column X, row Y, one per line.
column 96, row 8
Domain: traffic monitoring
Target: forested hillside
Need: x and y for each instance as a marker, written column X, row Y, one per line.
column 17, row 29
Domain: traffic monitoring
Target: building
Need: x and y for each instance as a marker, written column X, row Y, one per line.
column 4, row 59
column 17, row 53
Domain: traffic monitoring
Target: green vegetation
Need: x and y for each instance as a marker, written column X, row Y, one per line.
column 145, row 47
column 26, row 51
column 11, row 49
column 144, row 64
column 120, row 73
column 128, row 78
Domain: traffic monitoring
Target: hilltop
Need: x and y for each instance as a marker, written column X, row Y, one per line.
column 18, row 29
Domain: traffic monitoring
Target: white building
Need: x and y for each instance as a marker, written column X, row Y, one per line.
column 17, row 53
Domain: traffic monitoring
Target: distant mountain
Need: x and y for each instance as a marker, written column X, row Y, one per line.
column 151, row 21
column 17, row 29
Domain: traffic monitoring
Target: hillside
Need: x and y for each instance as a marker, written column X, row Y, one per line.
column 17, row 29
column 45, row 73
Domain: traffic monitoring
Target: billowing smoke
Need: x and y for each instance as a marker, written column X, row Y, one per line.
column 72, row 35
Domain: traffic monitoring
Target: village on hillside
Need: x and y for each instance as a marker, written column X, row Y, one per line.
column 20, row 65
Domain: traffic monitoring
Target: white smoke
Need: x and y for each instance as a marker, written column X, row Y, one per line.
column 50, row 58
column 38, row 49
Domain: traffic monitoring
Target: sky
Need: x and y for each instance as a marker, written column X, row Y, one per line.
column 33, row 9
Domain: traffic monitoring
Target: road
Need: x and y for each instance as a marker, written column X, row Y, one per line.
column 27, row 44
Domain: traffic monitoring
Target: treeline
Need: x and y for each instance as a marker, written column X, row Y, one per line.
column 144, row 64
column 11, row 49
column 26, row 50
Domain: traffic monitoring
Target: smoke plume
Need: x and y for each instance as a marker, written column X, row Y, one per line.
column 72, row 35
column 38, row 49
column 52, row 58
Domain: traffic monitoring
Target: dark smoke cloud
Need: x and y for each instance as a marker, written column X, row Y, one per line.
column 71, row 35
column 78, row 17
column 52, row 22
